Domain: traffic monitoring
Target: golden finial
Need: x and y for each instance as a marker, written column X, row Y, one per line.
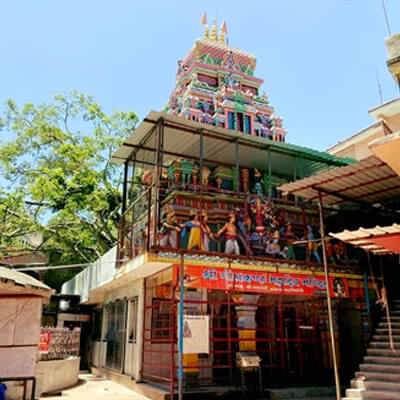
column 222, row 33
column 207, row 33
column 214, row 34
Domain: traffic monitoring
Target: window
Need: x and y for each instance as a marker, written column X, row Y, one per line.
column 231, row 120
column 251, row 89
column 161, row 319
column 210, row 80
column 240, row 124
column 247, row 124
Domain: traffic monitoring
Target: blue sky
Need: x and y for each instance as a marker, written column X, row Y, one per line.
column 318, row 58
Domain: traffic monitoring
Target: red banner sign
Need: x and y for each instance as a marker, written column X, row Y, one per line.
column 44, row 342
column 262, row 282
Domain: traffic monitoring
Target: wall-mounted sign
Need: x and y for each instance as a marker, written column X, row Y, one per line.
column 261, row 282
column 196, row 334
column 44, row 342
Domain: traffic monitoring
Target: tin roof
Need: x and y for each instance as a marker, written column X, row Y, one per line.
column 379, row 240
column 370, row 181
column 182, row 138
column 15, row 278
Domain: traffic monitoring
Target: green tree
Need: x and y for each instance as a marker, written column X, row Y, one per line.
column 56, row 177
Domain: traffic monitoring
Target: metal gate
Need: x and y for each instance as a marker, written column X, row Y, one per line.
column 289, row 333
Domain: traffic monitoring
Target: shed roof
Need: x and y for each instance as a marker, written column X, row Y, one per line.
column 182, row 140
column 370, row 181
column 379, row 240
column 15, row 278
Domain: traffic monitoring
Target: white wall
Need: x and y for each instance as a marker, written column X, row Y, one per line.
column 97, row 274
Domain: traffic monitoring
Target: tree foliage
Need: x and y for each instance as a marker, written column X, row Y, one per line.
column 56, row 177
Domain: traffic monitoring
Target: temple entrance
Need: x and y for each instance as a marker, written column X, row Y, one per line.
column 289, row 333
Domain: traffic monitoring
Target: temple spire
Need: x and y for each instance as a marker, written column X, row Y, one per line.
column 207, row 33
column 214, row 33
column 222, row 33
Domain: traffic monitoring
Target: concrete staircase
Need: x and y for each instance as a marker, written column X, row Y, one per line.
column 379, row 375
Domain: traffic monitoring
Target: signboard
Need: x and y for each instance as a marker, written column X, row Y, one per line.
column 262, row 282
column 44, row 342
column 196, row 334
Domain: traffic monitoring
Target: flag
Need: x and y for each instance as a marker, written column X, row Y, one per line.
column 223, row 27
column 203, row 20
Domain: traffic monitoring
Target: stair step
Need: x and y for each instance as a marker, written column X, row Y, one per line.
column 385, row 331
column 383, row 345
column 394, row 313
column 305, row 392
column 374, row 385
column 376, row 395
column 383, row 353
column 377, row 376
column 382, row 360
column 396, row 338
column 393, row 323
column 394, row 369
column 354, row 393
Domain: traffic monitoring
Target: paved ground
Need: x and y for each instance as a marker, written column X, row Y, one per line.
column 91, row 387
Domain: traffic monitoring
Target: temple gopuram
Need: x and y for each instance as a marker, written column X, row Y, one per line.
column 217, row 283
column 215, row 84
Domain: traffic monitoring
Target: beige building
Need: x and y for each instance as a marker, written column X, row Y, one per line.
column 386, row 115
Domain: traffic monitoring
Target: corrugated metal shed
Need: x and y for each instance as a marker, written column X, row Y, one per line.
column 368, row 181
column 182, row 140
column 12, row 277
column 379, row 240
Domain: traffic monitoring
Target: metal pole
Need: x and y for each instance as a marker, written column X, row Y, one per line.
column 269, row 173
column 237, row 165
column 229, row 327
column 159, row 146
column 173, row 339
column 329, row 300
column 367, row 301
column 201, row 157
column 180, row 330
column 125, row 187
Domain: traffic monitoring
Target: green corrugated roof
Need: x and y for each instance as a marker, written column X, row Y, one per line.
column 314, row 155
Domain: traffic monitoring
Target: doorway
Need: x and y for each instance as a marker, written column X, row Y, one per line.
column 131, row 345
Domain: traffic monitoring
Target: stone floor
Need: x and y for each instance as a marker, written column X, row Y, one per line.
column 92, row 387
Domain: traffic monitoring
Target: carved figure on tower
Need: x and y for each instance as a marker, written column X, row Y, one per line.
column 231, row 235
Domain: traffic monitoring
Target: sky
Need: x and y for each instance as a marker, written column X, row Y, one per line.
column 319, row 58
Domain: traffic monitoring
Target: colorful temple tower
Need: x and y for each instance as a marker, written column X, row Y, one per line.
column 215, row 84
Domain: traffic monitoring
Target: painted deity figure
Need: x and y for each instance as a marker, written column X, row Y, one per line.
column 258, row 214
column 180, row 69
column 194, row 227
column 230, row 61
column 273, row 246
column 169, row 231
column 312, row 247
column 289, row 237
column 258, row 183
column 231, row 235
column 206, row 233
column 230, row 80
